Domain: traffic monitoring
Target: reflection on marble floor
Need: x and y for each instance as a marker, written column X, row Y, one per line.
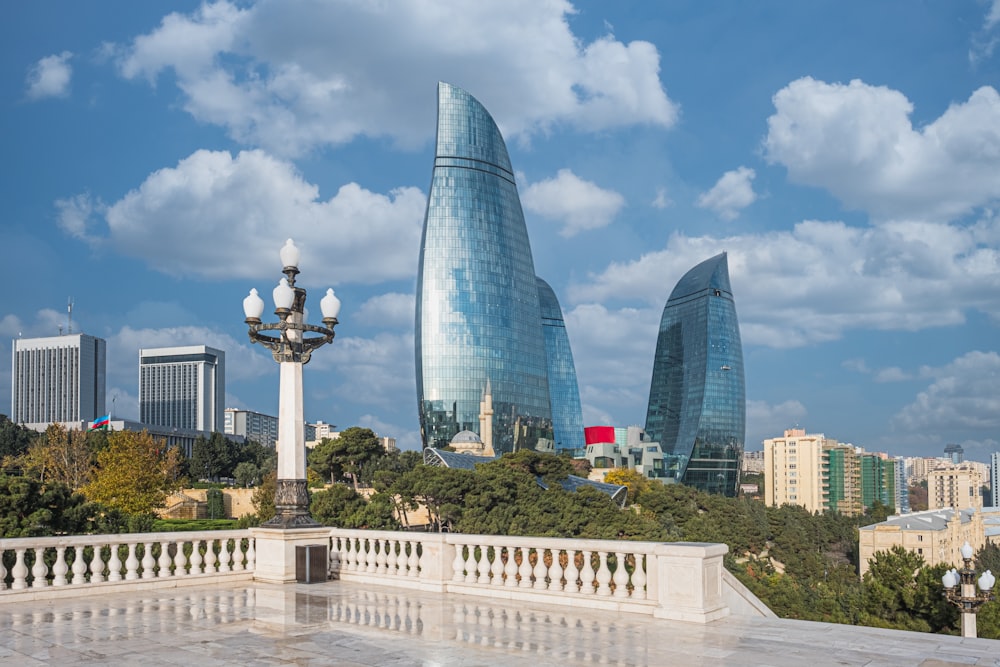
column 341, row 623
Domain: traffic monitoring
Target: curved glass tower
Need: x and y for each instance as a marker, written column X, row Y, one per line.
column 477, row 300
column 564, row 393
column 697, row 398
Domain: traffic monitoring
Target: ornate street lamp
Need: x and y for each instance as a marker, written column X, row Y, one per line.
column 960, row 589
column 291, row 348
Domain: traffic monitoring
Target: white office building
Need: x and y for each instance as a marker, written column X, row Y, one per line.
column 183, row 387
column 260, row 428
column 58, row 379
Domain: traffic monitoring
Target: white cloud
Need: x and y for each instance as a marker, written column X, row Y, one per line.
column 388, row 310
column 222, row 217
column 732, row 193
column 857, row 142
column 765, row 420
column 661, row 200
column 580, row 205
column 377, row 372
column 892, row 374
column 406, row 438
column 75, row 215
column 962, row 401
column 820, row 279
column 984, row 41
column 290, row 77
column 50, row 77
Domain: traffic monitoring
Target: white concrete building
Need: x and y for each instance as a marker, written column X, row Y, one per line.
column 58, row 379
column 995, row 479
column 260, row 428
column 183, row 387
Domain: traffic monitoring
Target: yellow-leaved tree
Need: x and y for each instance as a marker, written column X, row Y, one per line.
column 60, row 456
column 630, row 478
column 135, row 473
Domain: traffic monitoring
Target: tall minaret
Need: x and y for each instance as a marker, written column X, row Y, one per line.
column 486, row 420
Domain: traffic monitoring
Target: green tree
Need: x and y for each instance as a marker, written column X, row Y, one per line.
column 216, row 504
column 263, row 497
column 134, row 474
column 891, row 591
column 29, row 508
column 247, row 474
column 333, row 506
column 61, row 456
column 14, row 438
column 345, row 456
column 212, row 457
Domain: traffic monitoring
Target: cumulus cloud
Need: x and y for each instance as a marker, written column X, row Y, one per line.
column 984, row 41
column 50, row 77
column 580, row 205
column 857, row 141
column 820, row 279
column 962, row 401
column 377, row 372
column 892, row 374
column 766, row 420
column 732, row 193
column 290, row 77
column 388, row 310
column 220, row 217
column 406, row 437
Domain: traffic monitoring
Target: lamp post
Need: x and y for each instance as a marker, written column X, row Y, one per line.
column 960, row 590
column 291, row 348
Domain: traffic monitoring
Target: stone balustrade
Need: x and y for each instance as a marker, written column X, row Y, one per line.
column 33, row 567
column 682, row 581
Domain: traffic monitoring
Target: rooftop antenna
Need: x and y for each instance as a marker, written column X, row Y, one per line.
column 69, row 315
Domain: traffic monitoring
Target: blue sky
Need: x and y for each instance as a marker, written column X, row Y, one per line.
column 845, row 155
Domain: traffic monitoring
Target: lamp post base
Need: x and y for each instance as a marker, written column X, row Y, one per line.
column 291, row 504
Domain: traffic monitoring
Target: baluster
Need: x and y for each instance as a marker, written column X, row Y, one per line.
column 484, row 564
column 497, row 568
column 572, row 572
column 60, row 568
column 540, row 571
column 180, row 560
column 414, row 561
column 639, row 578
column 115, row 564
column 603, row 574
column 148, row 562
column 350, row 554
column 621, row 575
column 458, row 565
column 470, row 566
column 97, row 564
column 525, row 569
column 381, row 558
column 371, row 558
column 131, row 563
column 251, row 555
column 196, row 559
column 210, row 558
column 238, row 565
column 587, row 574
column 224, row 555
column 392, row 561
column 164, row 561
column 20, row 571
column 79, row 566
column 555, row 572
column 3, row 572
column 510, row 569
column 39, row 571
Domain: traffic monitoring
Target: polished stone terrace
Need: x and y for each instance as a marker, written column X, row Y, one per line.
column 338, row 623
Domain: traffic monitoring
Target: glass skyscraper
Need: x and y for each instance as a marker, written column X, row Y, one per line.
column 697, row 397
column 478, row 314
column 567, row 415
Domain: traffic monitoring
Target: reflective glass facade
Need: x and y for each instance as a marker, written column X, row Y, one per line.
column 477, row 300
column 697, row 397
column 564, row 393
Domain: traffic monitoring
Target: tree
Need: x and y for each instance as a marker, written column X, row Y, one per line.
column 891, row 591
column 263, row 497
column 14, row 438
column 29, row 508
column 628, row 478
column 344, row 457
column 212, row 457
column 61, row 456
column 333, row 506
column 134, row 474
column 246, row 474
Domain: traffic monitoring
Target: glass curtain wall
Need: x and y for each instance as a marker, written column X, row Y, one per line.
column 564, row 392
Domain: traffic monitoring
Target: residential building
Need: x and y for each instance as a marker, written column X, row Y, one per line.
column 564, row 392
column 902, row 496
column 260, row 428
column 956, row 487
column 995, row 479
column 58, row 379
column 794, row 470
column 183, row 387
column 878, row 480
column 843, row 479
column 697, row 396
column 753, row 462
column 478, row 316
column 936, row 535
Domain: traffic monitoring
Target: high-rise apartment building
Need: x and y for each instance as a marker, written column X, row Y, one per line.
column 878, row 480
column 564, row 392
column 254, row 426
column 955, row 487
column 58, row 379
column 995, row 479
column 697, row 397
column 183, row 387
column 793, row 470
column 843, row 479
column 478, row 317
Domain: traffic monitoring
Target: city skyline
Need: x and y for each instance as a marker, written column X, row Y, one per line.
column 843, row 157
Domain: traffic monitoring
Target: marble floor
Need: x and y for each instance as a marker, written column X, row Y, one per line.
column 339, row 623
